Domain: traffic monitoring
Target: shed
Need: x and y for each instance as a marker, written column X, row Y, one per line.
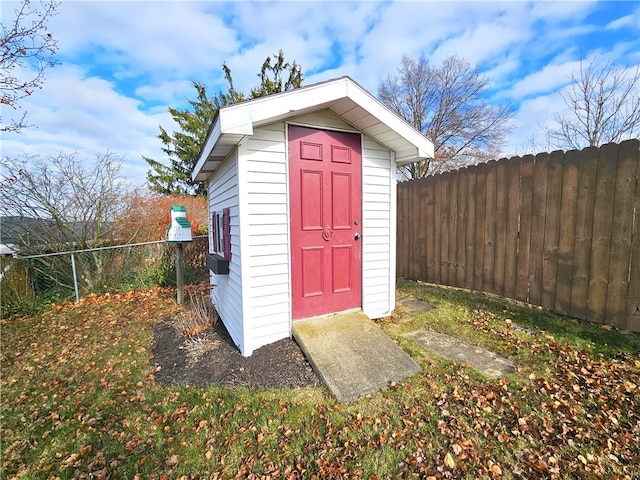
column 302, row 203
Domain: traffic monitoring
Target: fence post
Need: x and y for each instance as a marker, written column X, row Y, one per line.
column 179, row 274
column 75, row 276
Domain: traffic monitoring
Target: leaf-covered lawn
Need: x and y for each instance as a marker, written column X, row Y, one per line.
column 79, row 401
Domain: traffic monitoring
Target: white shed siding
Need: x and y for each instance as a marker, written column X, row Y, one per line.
column 254, row 300
column 266, row 273
column 378, row 225
column 227, row 295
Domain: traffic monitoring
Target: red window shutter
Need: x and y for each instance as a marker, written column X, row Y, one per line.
column 214, row 229
column 226, row 235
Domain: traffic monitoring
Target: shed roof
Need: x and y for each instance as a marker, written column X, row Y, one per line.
column 343, row 96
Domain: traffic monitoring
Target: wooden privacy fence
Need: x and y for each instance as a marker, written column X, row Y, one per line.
column 559, row 230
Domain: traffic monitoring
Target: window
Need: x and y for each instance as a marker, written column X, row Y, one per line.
column 217, row 233
column 221, row 226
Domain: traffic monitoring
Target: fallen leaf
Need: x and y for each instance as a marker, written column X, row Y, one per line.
column 69, row 460
column 172, row 461
column 449, row 461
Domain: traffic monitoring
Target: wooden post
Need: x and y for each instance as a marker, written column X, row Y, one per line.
column 179, row 273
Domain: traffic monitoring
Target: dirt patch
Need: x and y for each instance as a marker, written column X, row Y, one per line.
column 211, row 358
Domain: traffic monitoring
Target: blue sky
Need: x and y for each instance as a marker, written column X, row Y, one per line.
column 122, row 63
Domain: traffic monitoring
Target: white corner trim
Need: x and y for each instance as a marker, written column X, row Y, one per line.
column 209, row 143
column 393, row 217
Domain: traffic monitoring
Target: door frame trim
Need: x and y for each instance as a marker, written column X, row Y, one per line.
column 287, row 124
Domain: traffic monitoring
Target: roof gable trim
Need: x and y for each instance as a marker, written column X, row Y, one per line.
column 236, row 121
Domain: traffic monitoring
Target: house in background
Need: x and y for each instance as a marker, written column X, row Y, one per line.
column 9, row 250
column 14, row 231
column 302, row 203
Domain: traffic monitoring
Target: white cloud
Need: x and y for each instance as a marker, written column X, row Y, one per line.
column 157, row 38
column 532, row 115
column 557, row 12
column 85, row 114
column 317, row 37
column 480, row 39
column 167, row 93
column 125, row 62
column 549, row 79
column 628, row 21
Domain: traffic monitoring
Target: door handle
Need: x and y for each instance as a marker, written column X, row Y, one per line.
column 356, row 236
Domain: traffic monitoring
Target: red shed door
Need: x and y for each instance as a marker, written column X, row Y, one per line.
column 326, row 203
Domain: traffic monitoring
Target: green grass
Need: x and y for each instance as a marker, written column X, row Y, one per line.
column 488, row 321
column 79, row 401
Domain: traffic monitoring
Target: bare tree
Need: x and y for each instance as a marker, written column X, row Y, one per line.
column 66, row 203
column 26, row 51
column 603, row 106
column 450, row 106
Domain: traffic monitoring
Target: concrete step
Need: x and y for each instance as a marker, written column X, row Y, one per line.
column 487, row 362
column 352, row 354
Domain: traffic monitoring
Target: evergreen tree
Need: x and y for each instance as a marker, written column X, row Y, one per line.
column 277, row 70
column 183, row 146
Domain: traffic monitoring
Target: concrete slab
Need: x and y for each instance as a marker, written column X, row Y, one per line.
column 352, row 354
column 412, row 305
column 489, row 363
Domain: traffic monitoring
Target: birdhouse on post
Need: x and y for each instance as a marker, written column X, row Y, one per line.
column 179, row 232
column 180, row 228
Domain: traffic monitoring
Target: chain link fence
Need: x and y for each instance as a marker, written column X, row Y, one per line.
column 31, row 282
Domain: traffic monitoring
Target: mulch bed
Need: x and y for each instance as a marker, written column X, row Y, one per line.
column 213, row 359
